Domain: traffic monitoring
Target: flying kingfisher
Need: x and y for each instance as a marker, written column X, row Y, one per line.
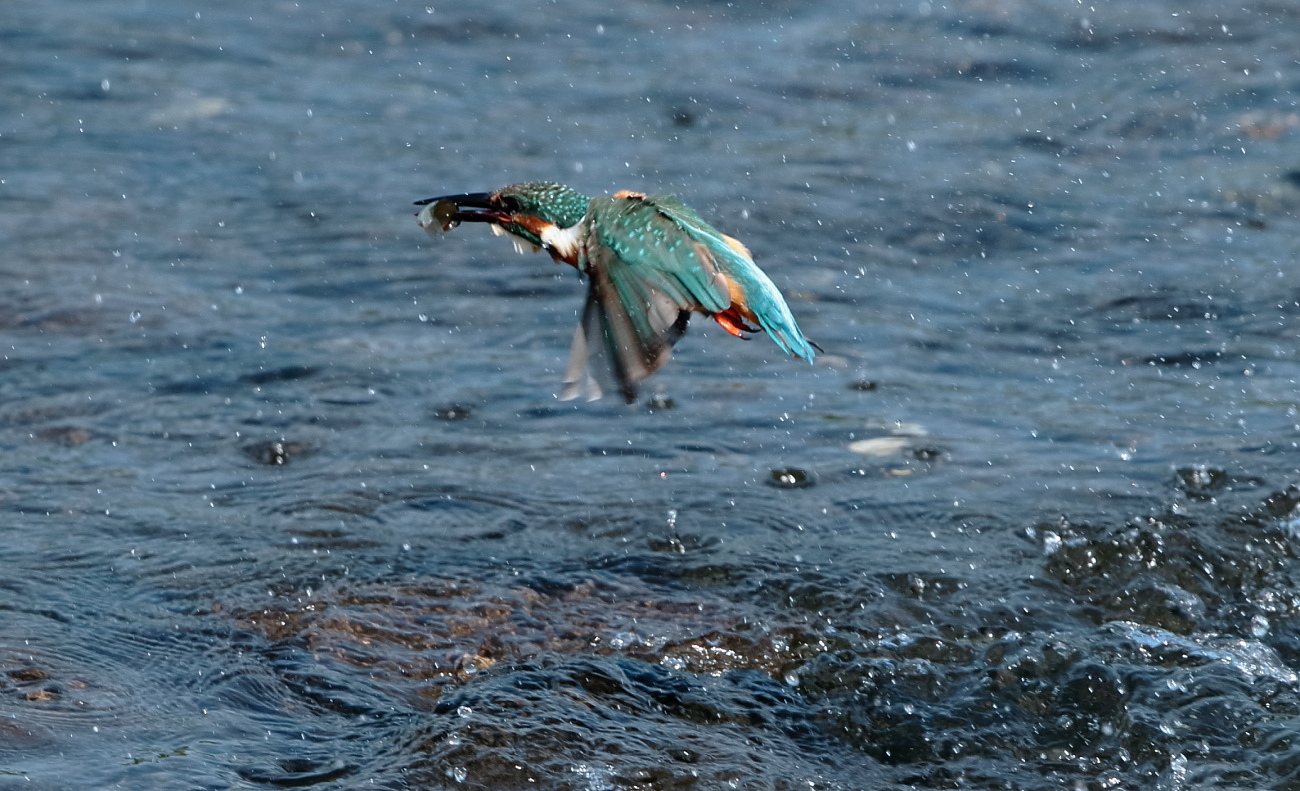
column 649, row 260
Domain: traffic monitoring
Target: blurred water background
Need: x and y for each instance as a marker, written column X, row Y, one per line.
column 287, row 500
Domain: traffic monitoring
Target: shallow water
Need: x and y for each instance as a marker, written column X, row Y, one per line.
column 288, row 501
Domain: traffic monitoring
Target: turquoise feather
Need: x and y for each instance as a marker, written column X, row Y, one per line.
column 650, row 261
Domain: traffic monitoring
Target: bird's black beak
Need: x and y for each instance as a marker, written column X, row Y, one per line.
column 448, row 211
column 477, row 200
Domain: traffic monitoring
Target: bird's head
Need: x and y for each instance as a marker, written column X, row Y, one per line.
column 532, row 212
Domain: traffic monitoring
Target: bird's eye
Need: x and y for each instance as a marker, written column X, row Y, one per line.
column 511, row 204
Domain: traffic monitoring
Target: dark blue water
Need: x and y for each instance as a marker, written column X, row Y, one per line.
column 287, row 500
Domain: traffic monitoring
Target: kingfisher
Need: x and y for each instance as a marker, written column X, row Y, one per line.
column 650, row 261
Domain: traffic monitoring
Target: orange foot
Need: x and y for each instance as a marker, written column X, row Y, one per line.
column 730, row 321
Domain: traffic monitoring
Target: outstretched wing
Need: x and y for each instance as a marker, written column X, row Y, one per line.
column 650, row 261
column 645, row 274
column 752, row 292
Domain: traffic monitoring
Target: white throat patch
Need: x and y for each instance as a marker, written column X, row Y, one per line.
column 562, row 240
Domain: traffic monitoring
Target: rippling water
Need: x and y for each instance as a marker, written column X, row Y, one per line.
column 286, row 499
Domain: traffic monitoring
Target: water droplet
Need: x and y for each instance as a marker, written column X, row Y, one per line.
column 673, row 662
column 1259, row 626
column 135, row 316
column 659, row 401
column 451, row 412
column 791, row 478
column 1051, row 543
column 458, row 773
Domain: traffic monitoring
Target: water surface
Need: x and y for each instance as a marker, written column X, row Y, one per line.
column 287, row 500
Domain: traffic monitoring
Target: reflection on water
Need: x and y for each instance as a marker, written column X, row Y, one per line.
column 288, row 499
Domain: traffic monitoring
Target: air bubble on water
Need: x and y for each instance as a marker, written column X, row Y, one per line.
column 791, row 679
column 464, row 711
column 135, row 316
column 672, row 518
column 458, row 773
column 453, row 739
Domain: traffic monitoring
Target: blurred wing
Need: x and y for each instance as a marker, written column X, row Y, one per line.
column 645, row 274
column 650, row 261
column 620, row 343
